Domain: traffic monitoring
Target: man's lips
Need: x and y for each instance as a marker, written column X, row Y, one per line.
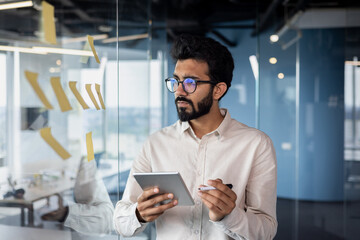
column 182, row 104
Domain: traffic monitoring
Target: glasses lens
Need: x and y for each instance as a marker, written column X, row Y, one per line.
column 172, row 84
column 189, row 85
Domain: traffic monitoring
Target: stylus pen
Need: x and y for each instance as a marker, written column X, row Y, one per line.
column 212, row 188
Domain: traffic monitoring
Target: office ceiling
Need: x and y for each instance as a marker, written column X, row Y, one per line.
column 79, row 17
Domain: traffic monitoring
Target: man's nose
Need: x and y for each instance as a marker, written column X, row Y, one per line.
column 180, row 90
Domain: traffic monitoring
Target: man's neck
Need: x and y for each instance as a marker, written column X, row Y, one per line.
column 207, row 123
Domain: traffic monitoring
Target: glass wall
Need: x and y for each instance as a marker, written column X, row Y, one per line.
column 3, row 111
column 278, row 101
column 302, row 109
column 351, row 134
column 76, row 105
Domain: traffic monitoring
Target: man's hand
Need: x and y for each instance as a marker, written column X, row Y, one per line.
column 148, row 208
column 220, row 201
column 57, row 215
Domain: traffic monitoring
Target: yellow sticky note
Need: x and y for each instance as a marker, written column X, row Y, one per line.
column 89, row 147
column 80, row 99
column 48, row 22
column 45, row 133
column 91, row 95
column 97, row 88
column 32, row 78
column 91, row 42
column 85, row 59
column 60, row 94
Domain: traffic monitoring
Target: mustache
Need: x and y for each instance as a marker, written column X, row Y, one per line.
column 182, row 99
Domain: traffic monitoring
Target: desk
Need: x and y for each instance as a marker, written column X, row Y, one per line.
column 37, row 193
column 14, row 232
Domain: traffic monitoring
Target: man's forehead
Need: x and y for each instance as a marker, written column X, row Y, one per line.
column 191, row 67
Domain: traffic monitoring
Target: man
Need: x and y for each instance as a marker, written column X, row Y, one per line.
column 207, row 147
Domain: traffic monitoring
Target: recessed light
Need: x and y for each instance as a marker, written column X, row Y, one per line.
column 274, row 38
column 273, row 60
column 105, row 28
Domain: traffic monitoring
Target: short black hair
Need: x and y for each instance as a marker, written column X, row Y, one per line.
column 217, row 56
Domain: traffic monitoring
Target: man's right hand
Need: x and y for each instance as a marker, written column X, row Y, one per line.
column 148, row 208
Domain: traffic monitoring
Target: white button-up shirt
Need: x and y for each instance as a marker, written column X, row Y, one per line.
column 235, row 153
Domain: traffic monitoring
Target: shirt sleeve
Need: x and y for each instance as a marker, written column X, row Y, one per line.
column 90, row 219
column 93, row 210
column 258, row 219
column 125, row 220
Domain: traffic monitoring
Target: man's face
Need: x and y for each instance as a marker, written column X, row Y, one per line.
column 197, row 104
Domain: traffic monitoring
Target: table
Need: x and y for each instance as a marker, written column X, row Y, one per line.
column 36, row 193
column 15, row 232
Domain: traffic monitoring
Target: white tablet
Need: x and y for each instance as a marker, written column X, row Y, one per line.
column 167, row 182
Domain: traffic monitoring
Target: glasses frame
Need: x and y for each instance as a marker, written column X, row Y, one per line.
column 182, row 83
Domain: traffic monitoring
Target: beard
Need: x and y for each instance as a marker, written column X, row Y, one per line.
column 204, row 107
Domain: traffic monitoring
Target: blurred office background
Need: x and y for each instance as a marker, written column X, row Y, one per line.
column 297, row 78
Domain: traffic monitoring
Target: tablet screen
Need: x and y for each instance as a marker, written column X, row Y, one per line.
column 167, row 182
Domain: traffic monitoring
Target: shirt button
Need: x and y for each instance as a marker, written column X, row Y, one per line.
column 199, row 173
column 198, row 203
column 196, row 231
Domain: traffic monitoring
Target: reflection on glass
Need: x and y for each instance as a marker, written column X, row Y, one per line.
column 3, row 103
column 352, row 146
column 91, row 212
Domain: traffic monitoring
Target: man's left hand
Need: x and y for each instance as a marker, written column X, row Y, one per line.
column 220, row 201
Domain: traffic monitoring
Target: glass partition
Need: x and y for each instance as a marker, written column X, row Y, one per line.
column 76, row 105
column 309, row 107
column 351, row 135
column 2, row 112
column 278, row 102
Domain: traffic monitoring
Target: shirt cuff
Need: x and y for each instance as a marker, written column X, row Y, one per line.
column 135, row 220
column 72, row 219
column 127, row 224
column 230, row 221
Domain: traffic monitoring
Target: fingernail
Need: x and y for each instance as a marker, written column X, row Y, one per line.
column 175, row 202
column 199, row 193
column 156, row 190
column 170, row 195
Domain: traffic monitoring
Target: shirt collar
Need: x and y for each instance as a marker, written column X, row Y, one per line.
column 225, row 123
column 184, row 126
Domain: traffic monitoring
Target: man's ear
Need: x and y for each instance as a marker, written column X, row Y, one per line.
column 219, row 90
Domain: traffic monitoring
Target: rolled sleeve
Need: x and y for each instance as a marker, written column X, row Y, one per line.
column 125, row 220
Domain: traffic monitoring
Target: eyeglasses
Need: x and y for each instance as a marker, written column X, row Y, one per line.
column 189, row 85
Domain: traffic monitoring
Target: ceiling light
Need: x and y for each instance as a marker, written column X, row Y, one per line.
column 84, row 39
column 281, row 75
column 273, row 60
column 21, row 49
column 13, row 5
column 46, row 50
column 254, row 66
column 54, row 69
column 274, row 38
column 289, row 25
column 354, row 63
column 64, row 51
column 105, row 28
column 126, row 38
